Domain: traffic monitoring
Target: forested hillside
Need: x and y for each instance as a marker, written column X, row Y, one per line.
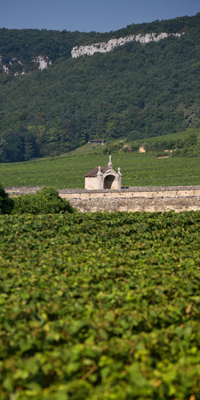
column 135, row 90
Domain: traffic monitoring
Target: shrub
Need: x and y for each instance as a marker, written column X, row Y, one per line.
column 6, row 204
column 112, row 147
column 46, row 201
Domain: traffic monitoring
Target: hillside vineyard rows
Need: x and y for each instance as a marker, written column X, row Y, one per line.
column 100, row 306
column 69, row 171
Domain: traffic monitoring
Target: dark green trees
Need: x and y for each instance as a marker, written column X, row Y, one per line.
column 46, row 201
column 6, row 204
column 139, row 90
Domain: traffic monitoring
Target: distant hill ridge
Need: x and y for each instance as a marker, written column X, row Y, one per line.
column 23, row 51
column 78, row 51
column 52, row 103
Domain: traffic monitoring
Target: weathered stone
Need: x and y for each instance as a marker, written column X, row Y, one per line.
column 100, row 178
column 152, row 199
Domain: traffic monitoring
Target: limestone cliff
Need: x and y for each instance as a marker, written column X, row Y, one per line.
column 112, row 43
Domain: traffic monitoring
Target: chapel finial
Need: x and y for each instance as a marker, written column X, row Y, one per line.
column 110, row 162
column 99, row 171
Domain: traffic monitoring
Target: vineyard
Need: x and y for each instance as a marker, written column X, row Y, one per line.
column 100, row 306
column 68, row 171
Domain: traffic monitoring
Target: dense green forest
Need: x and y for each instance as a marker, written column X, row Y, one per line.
column 136, row 91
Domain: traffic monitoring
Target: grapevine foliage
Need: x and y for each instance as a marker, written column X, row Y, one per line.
column 100, row 306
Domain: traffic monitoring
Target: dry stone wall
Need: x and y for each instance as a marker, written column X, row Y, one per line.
column 152, row 199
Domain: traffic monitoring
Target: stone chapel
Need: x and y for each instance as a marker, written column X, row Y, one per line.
column 100, row 178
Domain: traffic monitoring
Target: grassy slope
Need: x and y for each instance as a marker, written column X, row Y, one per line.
column 174, row 136
column 68, row 171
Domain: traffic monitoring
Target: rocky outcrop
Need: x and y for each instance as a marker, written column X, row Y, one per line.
column 42, row 61
column 112, row 43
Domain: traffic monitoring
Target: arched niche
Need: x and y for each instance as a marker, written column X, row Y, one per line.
column 108, row 182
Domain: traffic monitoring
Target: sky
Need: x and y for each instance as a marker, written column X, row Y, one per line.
column 90, row 15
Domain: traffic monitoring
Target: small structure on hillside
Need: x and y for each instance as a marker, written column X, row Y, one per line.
column 94, row 141
column 100, row 178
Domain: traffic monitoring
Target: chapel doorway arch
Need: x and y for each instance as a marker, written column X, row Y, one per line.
column 108, row 182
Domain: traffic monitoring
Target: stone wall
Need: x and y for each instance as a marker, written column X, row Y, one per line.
column 17, row 190
column 137, row 199
column 153, row 199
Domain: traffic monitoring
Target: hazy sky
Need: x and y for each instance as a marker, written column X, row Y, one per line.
column 90, row 15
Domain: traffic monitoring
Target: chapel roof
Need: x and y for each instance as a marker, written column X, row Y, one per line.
column 93, row 172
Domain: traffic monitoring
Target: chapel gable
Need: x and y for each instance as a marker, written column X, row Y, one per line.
column 100, row 178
